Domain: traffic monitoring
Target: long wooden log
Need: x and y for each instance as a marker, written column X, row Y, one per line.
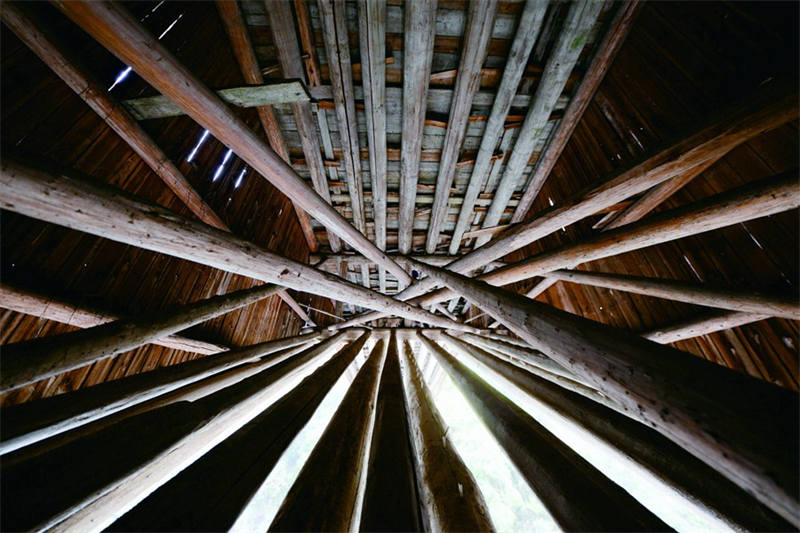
column 439, row 467
column 391, row 501
column 242, row 47
column 601, row 62
column 34, row 421
column 702, row 325
column 117, row 216
column 571, row 40
column 218, row 490
column 743, row 427
column 478, row 30
column 35, row 359
column 59, row 310
column 110, row 491
column 329, row 262
column 113, row 27
column 418, row 31
column 530, row 24
column 338, row 459
column 32, row 33
column 558, row 475
column 754, row 302
column 671, row 464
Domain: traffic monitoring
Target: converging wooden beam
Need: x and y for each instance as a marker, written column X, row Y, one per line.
column 743, row 427
column 113, row 27
column 702, row 325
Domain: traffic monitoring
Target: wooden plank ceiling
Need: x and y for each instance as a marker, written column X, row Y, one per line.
column 438, row 176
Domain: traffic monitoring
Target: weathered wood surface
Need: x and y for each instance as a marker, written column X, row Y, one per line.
column 57, row 57
column 743, row 427
column 702, row 325
column 558, row 475
column 338, row 460
column 59, row 310
column 665, row 460
column 118, row 31
column 116, row 483
column 34, row 421
column 35, row 359
column 530, row 24
column 478, row 30
column 439, row 467
column 595, row 73
column 114, row 215
column 419, row 27
column 225, row 480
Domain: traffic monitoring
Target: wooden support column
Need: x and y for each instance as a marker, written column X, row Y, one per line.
column 338, row 460
column 111, row 483
column 124, row 36
column 49, row 308
column 478, row 30
column 662, row 458
column 438, row 465
column 558, row 475
column 234, row 24
column 34, row 421
column 601, row 62
column 530, row 23
column 391, row 500
column 225, row 481
column 574, row 33
column 372, row 33
column 418, row 31
column 31, row 32
column 32, row 360
column 741, row 426
column 117, row 216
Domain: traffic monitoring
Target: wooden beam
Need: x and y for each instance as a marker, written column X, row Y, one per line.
column 201, row 425
column 29, row 361
column 372, row 32
column 124, row 36
column 743, row 427
column 702, row 325
column 601, row 62
column 49, row 308
column 334, row 30
column 114, row 215
column 669, row 463
column 755, row 302
column 478, row 30
column 294, row 306
column 438, row 465
column 32, row 32
column 530, row 24
column 338, row 460
column 418, row 30
column 30, row 422
column 285, row 40
column 242, row 48
column 558, row 475
column 577, row 27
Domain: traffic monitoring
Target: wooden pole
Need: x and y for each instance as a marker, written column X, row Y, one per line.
column 117, row 216
column 55, row 56
column 418, row 31
column 32, row 360
column 477, row 32
column 743, row 427
column 212, row 493
column 439, row 467
column 329, row 262
column 559, row 476
column 665, row 460
column 391, row 500
column 530, row 24
column 30, row 422
column 115, row 29
column 702, row 325
column 49, row 308
column 338, row 460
